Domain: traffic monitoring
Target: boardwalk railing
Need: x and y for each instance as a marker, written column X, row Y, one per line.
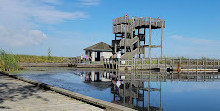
column 164, row 63
column 78, row 59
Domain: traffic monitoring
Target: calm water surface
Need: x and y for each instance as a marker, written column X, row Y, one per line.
column 138, row 90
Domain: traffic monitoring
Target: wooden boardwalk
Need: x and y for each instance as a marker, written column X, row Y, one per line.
column 164, row 64
column 16, row 95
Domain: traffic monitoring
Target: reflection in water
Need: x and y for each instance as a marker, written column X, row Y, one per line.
column 141, row 90
column 134, row 89
column 134, row 93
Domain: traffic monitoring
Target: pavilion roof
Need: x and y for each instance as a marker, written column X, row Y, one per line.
column 101, row 46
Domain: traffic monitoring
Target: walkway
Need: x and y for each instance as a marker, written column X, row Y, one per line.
column 17, row 95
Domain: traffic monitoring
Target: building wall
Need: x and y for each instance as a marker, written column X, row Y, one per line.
column 93, row 56
column 106, row 54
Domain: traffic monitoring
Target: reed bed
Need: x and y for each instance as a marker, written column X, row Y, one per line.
column 8, row 62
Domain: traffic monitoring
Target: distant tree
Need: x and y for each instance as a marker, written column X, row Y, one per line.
column 49, row 54
column 204, row 58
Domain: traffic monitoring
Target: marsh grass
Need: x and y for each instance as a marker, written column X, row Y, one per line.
column 8, row 62
column 38, row 59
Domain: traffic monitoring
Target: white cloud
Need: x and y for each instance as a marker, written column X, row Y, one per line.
column 90, row 2
column 192, row 47
column 196, row 40
column 23, row 37
column 176, row 37
column 40, row 12
column 55, row 2
column 19, row 20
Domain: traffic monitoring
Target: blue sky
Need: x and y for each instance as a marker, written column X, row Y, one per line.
column 68, row 26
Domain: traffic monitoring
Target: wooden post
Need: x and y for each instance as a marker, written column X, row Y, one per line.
column 178, row 68
column 161, row 95
column 112, row 64
column 119, row 63
column 205, row 63
column 134, row 64
column 218, row 63
column 150, row 39
column 172, row 62
column 149, row 91
column 105, row 63
column 116, row 64
column 139, row 49
column 144, row 41
column 196, row 75
column 125, row 38
column 162, row 41
column 158, row 62
column 188, row 63
column 142, row 63
column 165, row 63
column 115, row 44
column 213, row 63
column 197, row 64
column 108, row 62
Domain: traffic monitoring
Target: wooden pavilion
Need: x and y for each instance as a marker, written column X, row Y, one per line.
column 98, row 50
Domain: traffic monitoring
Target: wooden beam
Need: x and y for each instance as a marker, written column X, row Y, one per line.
column 161, row 41
column 150, row 39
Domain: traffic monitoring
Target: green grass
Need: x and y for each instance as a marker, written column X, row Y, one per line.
column 38, row 59
column 8, row 62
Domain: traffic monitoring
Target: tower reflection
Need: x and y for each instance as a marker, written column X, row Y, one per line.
column 134, row 90
column 141, row 90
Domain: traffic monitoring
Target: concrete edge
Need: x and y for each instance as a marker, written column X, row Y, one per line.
column 93, row 101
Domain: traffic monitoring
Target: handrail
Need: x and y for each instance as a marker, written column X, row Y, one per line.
column 166, row 62
column 128, row 20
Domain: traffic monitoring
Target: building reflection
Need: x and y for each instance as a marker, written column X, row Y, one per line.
column 138, row 89
column 96, row 76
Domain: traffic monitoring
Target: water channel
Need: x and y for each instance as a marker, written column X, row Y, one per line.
column 140, row 90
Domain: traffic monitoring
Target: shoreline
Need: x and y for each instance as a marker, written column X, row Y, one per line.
column 46, row 64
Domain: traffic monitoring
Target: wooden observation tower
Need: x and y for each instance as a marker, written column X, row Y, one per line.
column 130, row 38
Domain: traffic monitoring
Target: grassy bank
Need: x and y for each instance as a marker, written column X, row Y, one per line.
column 38, row 59
column 9, row 62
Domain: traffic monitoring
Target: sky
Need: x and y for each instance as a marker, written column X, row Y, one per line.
column 68, row 26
